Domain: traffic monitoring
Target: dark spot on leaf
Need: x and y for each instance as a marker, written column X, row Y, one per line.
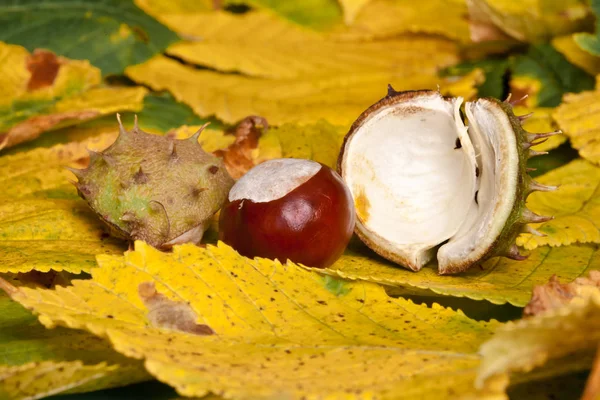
column 168, row 314
column 140, row 34
column 44, row 66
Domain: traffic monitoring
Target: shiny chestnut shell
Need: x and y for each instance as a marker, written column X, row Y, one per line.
column 311, row 224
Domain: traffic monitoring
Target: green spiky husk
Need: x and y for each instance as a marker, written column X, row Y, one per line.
column 154, row 188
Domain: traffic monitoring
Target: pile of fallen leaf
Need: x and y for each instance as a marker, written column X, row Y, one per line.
column 83, row 314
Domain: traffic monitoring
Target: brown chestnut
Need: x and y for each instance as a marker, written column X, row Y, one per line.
column 289, row 209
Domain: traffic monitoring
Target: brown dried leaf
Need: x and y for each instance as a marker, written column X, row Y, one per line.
column 554, row 294
column 238, row 156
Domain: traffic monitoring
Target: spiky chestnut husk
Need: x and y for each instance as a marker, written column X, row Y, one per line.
column 154, row 188
column 415, row 172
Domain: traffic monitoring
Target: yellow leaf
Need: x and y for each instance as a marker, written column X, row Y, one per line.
column 351, row 8
column 387, row 18
column 567, row 335
column 579, row 119
column 533, row 20
column 541, row 122
column 210, row 139
column 576, row 55
column 279, row 331
column 279, row 49
column 44, row 225
column 41, row 379
column 159, row 8
column 523, row 85
column 500, row 280
column 320, row 142
column 37, row 362
column 575, row 207
column 41, row 172
column 40, row 92
column 339, row 99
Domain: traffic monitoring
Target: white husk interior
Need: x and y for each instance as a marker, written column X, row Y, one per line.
column 421, row 190
column 497, row 158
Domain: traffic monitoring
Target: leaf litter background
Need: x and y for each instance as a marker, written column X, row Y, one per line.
column 362, row 328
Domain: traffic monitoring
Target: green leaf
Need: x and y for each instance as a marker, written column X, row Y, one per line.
column 162, row 113
column 494, row 70
column 588, row 41
column 56, row 361
column 545, row 74
column 111, row 34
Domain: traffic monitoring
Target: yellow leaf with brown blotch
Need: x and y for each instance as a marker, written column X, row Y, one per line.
column 209, row 320
column 41, row 91
column 338, row 98
column 575, row 207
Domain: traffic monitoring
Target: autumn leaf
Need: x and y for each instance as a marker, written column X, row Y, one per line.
column 41, row 91
column 111, row 34
column 541, row 121
column 279, row 49
column 545, row 75
column 494, row 71
column 533, row 20
column 575, row 207
column 554, row 294
column 339, row 99
column 44, row 225
column 567, row 46
column 38, row 362
column 577, row 116
column 388, row 18
column 250, row 319
column 499, row 280
column 315, row 14
column 351, row 8
column 320, row 142
column 566, row 335
column 587, row 41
